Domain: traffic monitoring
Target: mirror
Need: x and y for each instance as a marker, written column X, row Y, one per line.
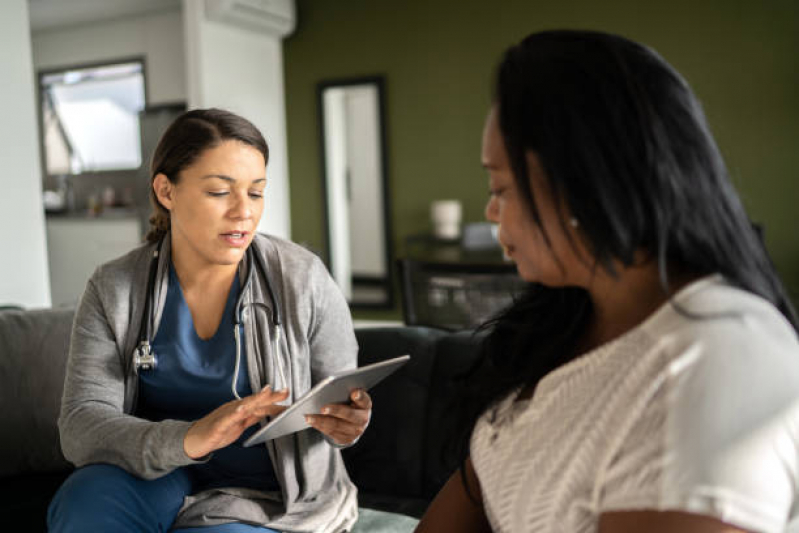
column 355, row 187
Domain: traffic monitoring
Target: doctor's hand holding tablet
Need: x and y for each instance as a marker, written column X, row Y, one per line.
column 344, row 423
column 338, row 407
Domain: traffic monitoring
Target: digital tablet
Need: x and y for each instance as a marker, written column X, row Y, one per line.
column 332, row 389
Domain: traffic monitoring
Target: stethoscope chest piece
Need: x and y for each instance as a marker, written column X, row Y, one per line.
column 144, row 357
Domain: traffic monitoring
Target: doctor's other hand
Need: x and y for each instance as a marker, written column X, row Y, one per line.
column 225, row 424
column 344, row 423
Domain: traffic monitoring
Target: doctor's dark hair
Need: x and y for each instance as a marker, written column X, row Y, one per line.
column 184, row 141
column 625, row 145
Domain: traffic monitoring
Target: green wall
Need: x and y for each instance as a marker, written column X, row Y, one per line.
column 438, row 56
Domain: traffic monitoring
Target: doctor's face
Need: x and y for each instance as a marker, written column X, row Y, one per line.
column 216, row 204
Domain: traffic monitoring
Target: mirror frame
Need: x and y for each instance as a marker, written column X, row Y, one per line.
column 379, row 82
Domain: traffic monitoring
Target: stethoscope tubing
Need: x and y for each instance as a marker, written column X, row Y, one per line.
column 145, row 358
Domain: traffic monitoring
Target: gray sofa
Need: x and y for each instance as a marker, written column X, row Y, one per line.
column 398, row 465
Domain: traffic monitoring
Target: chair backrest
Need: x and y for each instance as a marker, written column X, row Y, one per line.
column 456, row 296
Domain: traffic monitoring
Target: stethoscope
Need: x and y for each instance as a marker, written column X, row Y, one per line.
column 144, row 358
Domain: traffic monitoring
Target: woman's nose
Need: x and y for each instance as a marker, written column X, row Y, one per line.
column 241, row 207
column 492, row 210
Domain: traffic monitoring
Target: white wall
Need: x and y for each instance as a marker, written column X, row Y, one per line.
column 241, row 70
column 157, row 37
column 24, row 276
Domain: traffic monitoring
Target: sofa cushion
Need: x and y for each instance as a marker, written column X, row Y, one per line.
column 371, row 521
column 33, row 355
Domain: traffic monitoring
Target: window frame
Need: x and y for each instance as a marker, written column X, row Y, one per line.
column 41, row 73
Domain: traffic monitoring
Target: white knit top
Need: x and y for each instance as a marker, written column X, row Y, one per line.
column 692, row 414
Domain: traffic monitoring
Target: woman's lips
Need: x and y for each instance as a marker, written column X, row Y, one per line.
column 236, row 239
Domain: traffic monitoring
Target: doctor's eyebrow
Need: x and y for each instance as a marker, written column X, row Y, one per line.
column 229, row 179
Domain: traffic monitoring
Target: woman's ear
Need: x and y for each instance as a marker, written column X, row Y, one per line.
column 163, row 189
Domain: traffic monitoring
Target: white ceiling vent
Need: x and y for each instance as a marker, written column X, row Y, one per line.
column 273, row 16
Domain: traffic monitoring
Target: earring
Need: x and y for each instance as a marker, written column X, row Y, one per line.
column 573, row 222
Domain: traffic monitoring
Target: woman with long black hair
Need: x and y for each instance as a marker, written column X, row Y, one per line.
column 649, row 379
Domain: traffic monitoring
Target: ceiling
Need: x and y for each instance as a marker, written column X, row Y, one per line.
column 49, row 14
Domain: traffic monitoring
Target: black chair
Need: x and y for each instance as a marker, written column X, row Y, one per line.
column 455, row 296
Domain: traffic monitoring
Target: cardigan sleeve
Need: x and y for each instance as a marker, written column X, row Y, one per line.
column 93, row 426
column 332, row 341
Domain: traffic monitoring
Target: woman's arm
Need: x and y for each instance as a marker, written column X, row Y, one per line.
column 93, row 425
column 662, row 522
column 454, row 510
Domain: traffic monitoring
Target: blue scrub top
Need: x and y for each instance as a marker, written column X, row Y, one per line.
column 194, row 377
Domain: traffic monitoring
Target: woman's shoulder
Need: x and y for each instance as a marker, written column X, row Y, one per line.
column 731, row 401
column 285, row 256
column 724, row 320
column 730, row 356
column 286, row 250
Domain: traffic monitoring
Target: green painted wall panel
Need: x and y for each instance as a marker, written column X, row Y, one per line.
column 438, row 56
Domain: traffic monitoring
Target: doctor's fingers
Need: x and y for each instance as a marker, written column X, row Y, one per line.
column 262, row 399
column 340, row 431
column 361, row 399
column 267, row 395
column 347, row 413
column 262, row 404
column 268, row 410
column 329, row 424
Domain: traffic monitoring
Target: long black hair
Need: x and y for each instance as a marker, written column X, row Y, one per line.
column 625, row 145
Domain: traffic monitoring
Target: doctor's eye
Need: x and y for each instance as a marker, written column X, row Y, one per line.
column 217, row 194
column 256, row 195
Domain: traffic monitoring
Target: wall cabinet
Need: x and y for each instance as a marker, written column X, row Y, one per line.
column 76, row 246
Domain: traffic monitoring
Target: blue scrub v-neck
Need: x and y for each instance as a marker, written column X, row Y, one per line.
column 193, row 377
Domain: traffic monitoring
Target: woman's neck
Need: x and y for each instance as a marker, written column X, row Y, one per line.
column 621, row 303
column 194, row 272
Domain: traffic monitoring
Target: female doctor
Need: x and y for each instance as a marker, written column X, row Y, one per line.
column 181, row 346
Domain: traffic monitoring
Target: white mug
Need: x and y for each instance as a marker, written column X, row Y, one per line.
column 446, row 217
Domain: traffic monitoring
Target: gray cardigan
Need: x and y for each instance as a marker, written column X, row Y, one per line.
column 97, row 426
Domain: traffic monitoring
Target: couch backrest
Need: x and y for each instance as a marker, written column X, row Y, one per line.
column 405, row 450
column 33, row 353
column 455, row 353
